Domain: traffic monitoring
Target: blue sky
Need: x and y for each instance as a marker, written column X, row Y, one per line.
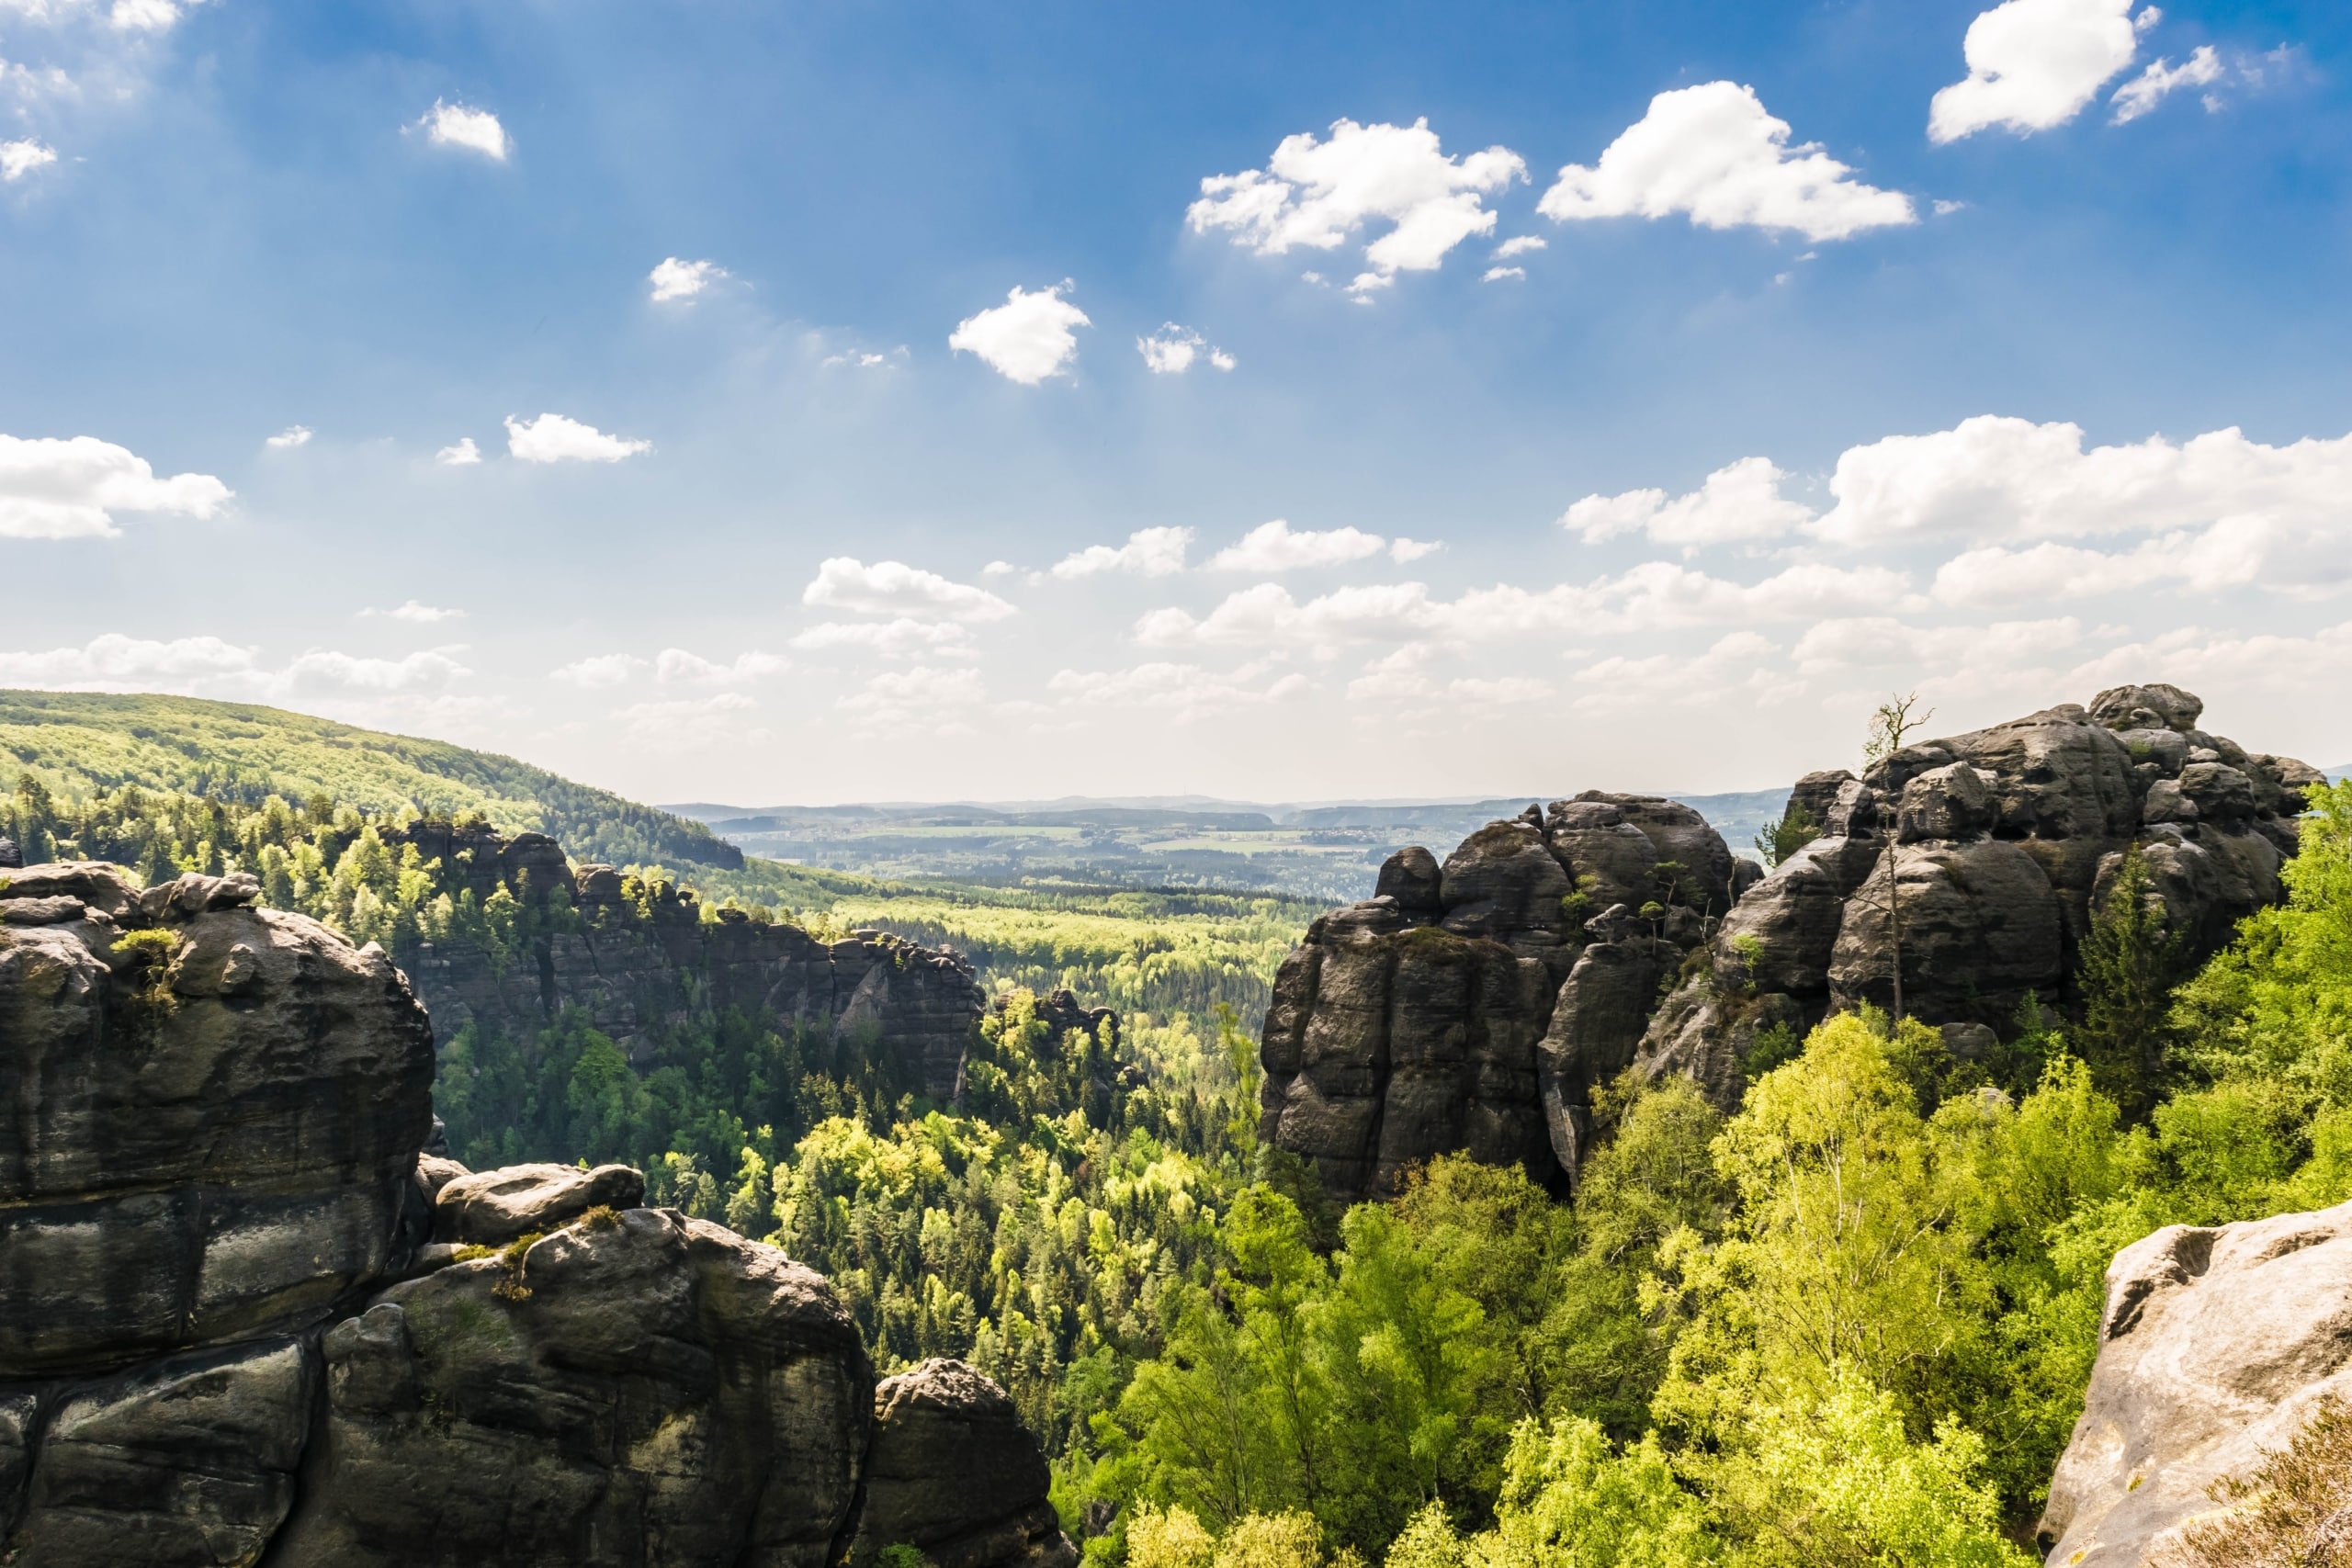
column 2007, row 394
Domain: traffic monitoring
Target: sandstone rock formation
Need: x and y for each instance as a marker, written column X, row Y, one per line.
column 1998, row 843
column 242, row 1318
column 1474, row 1006
column 634, row 968
column 953, row 1475
column 2216, row 1346
column 1422, row 1020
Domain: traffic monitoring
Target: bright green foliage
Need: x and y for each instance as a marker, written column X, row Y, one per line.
column 2128, row 967
column 1794, row 831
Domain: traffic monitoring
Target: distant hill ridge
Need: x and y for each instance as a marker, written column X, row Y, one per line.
column 79, row 742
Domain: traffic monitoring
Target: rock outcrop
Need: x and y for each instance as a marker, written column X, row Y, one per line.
column 1474, row 1005
column 244, row 1318
column 2216, row 1346
column 1992, row 849
column 636, row 964
column 1423, row 1019
column 953, row 1475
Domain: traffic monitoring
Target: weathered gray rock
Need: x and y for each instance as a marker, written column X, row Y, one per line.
column 654, row 1392
column 2215, row 1347
column 1423, row 1020
column 492, row 1208
column 209, row 1119
column 953, row 1474
column 186, row 1463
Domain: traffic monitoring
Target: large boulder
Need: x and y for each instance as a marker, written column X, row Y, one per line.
column 491, row 1208
column 954, row 1474
column 209, row 1118
column 630, row 1391
column 2215, row 1346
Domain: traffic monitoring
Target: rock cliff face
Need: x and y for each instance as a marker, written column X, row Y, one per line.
column 952, row 1474
column 1423, row 1019
column 1998, row 843
column 634, row 969
column 1474, row 1006
column 242, row 1317
column 2217, row 1344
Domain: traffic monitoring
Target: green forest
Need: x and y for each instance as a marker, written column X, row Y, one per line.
column 1849, row 1321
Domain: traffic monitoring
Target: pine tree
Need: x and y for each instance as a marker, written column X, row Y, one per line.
column 2129, row 965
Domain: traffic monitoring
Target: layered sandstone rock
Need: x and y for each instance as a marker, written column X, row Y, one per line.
column 243, row 1318
column 953, row 1475
column 1991, row 849
column 2216, row 1346
column 1423, row 1020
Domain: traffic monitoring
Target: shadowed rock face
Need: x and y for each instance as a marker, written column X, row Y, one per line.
column 953, row 1474
column 1423, row 1020
column 1992, row 848
column 2217, row 1344
column 242, row 1319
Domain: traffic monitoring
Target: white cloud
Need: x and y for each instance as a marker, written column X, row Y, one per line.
column 597, row 670
column 551, row 438
column 62, row 490
column 416, row 613
column 676, row 664
column 904, row 638
column 1319, row 194
column 1172, row 350
column 1185, row 691
column 291, row 437
column 1027, row 338
column 2206, row 661
column 18, row 159
column 2227, row 554
column 894, row 588
column 1654, row 595
column 324, row 669
column 1402, row 550
column 998, row 569
column 125, row 663
column 1398, row 682
column 2163, row 78
column 1732, row 667
column 463, row 454
column 1714, row 152
column 2033, row 64
column 1519, row 246
column 1497, row 273
column 1865, row 641
column 698, row 721
column 924, row 701
column 474, row 131
column 1738, row 502
column 675, row 279
column 861, row 360
column 1148, row 552
column 1272, row 546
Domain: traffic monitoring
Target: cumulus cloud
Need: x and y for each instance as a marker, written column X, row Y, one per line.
column 2161, row 80
column 1519, row 246
column 1027, row 339
column 676, row 279
column 1272, row 547
column 1402, row 550
column 1319, row 194
column 1867, row 641
column 1172, row 351
column 676, row 664
column 1732, row 666
column 470, row 129
column 53, row 489
column 904, row 638
column 924, row 700
column 598, row 670
column 1185, row 692
column 415, row 612
column 1400, row 683
column 18, row 159
column 894, row 588
column 551, row 438
column 1148, row 552
column 2206, row 661
column 2228, row 555
column 324, row 669
column 463, row 453
column 1712, row 151
column 1741, row 500
column 1498, row 273
column 291, row 437
column 2033, row 64
column 691, row 721
column 115, row 662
